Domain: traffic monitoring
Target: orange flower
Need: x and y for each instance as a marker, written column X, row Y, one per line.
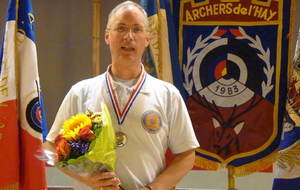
column 87, row 134
column 62, row 146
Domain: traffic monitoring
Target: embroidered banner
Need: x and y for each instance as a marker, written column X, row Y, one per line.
column 234, row 58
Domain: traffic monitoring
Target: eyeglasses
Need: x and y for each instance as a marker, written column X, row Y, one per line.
column 122, row 29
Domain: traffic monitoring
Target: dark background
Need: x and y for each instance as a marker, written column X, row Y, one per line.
column 63, row 33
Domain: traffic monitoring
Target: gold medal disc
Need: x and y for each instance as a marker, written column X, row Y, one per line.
column 121, row 138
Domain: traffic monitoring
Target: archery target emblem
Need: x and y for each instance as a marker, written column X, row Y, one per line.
column 228, row 72
column 151, row 121
column 32, row 117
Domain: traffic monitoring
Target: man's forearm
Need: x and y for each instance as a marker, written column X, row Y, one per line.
column 178, row 168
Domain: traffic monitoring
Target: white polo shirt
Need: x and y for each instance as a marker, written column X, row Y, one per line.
column 154, row 119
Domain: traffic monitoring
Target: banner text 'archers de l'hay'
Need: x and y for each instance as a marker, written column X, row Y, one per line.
column 234, row 58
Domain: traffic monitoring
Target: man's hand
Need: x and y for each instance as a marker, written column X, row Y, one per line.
column 97, row 181
column 103, row 181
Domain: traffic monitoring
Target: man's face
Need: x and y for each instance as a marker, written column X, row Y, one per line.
column 127, row 37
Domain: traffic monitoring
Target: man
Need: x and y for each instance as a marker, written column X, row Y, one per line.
column 148, row 115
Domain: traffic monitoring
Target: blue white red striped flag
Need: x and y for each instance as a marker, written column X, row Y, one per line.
column 21, row 110
column 161, row 58
column 287, row 173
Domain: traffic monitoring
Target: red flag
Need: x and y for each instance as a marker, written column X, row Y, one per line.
column 20, row 103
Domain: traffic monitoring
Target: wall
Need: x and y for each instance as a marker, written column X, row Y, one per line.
column 64, row 44
column 204, row 180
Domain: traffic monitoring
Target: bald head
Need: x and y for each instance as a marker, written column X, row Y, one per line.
column 123, row 6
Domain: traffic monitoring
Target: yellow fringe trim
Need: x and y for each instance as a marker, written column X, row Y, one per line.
column 244, row 170
column 207, row 164
column 14, row 186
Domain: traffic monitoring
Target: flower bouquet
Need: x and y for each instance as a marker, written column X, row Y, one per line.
column 86, row 143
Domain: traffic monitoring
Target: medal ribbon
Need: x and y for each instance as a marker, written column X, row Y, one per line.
column 121, row 115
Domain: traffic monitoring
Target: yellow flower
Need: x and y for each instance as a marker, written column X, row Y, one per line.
column 71, row 127
column 77, row 120
column 69, row 135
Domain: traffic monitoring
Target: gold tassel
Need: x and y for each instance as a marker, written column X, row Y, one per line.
column 14, row 186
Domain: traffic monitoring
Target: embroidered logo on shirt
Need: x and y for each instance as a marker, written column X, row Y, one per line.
column 151, row 121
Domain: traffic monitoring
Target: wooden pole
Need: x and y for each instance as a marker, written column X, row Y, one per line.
column 96, row 37
column 159, row 43
column 231, row 182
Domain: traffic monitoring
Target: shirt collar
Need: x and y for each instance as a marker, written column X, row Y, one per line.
column 116, row 84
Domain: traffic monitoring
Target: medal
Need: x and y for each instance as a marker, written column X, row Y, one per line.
column 122, row 113
column 121, row 138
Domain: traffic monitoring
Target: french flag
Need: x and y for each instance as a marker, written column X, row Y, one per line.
column 22, row 117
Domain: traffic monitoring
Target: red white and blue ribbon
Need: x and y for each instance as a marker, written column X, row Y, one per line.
column 121, row 114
